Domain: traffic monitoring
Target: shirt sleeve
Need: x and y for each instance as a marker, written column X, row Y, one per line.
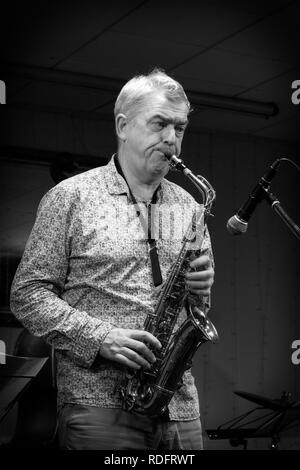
column 39, row 282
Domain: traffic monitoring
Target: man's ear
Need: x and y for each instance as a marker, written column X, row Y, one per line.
column 121, row 126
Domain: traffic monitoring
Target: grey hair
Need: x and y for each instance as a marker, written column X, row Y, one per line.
column 135, row 90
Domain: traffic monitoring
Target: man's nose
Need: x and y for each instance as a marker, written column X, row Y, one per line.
column 169, row 136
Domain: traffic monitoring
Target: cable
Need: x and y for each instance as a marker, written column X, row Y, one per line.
column 290, row 161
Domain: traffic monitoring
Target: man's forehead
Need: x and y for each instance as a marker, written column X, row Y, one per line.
column 159, row 104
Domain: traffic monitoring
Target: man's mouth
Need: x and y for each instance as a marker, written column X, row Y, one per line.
column 166, row 154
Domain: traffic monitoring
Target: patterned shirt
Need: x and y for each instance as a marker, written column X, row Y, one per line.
column 86, row 270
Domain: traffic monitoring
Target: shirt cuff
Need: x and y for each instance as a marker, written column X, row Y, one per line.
column 89, row 341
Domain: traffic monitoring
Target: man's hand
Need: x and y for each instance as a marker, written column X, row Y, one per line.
column 130, row 347
column 200, row 281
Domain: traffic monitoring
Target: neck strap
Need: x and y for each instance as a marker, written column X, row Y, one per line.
column 155, row 266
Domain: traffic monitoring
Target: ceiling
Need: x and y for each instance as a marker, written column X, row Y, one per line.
column 75, row 56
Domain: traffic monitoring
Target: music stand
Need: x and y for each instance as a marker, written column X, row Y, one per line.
column 15, row 377
column 278, row 417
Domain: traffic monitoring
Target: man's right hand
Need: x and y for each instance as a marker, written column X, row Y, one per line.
column 130, row 347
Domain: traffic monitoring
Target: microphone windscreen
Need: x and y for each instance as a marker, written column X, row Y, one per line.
column 236, row 226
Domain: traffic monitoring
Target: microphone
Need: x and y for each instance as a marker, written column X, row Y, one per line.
column 238, row 223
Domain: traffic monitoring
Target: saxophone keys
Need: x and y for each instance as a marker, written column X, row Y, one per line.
column 172, row 296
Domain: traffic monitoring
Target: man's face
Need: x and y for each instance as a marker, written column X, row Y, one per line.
column 157, row 128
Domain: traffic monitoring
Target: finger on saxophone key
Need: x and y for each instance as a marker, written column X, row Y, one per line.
column 202, row 261
column 145, row 342
column 150, row 339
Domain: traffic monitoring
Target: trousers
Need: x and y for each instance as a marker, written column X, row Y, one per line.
column 83, row 427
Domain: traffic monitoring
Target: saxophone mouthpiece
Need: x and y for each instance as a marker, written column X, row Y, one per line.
column 173, row 160
column 168, row 155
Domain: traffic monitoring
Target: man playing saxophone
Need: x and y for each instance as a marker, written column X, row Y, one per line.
column 89, row 277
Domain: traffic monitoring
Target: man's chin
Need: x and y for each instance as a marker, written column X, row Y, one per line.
column 159, row 163
column 161, row 167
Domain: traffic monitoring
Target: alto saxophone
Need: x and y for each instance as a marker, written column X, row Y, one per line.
column 149, row 391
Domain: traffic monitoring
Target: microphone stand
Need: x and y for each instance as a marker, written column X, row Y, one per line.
column 275, row 204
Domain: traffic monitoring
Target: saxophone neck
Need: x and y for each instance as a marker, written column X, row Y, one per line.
column 202, row 185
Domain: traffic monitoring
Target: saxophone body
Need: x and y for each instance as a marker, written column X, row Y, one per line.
column 149, row 391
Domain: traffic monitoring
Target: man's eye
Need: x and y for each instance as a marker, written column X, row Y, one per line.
column 179, row 130
column 158, row 125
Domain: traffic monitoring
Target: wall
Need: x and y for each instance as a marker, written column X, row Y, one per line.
column 256, row 294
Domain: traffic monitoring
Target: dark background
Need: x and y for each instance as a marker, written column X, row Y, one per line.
column 64, row 65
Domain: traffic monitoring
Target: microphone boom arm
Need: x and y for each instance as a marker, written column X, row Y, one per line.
column 238, row 223
column 276, row 206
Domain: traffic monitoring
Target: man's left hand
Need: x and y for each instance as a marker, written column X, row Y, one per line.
column 200, row 281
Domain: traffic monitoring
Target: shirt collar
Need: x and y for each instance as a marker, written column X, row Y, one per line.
column 115, row 182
